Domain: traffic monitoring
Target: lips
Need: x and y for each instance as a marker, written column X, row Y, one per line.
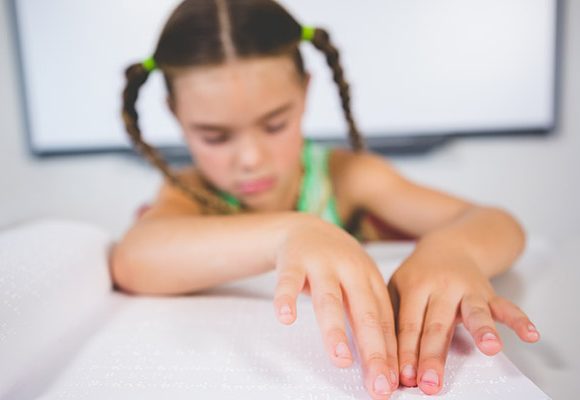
column 256, row 186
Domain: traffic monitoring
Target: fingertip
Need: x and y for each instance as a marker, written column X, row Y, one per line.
column 381, row 387
column 490, row 344
column 286, row 319
column 408, row 382
column 285, row 314
column 430, row 383
column 408, row 376
column 531, row 334
column 343, row 362
column 490, row 348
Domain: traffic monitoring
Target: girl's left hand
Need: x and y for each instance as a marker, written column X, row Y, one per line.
column 438, row 288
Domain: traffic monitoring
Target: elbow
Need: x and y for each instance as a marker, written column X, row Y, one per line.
column 137, row 273
column 130, row 275
column 121, row 272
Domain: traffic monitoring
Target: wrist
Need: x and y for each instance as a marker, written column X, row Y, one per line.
column 443, row 248
column 300, row 225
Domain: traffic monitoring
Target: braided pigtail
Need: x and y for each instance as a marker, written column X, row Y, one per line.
column 137, row 75
column 321, row 40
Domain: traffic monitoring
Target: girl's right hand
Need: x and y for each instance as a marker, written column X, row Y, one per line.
column 341, row 277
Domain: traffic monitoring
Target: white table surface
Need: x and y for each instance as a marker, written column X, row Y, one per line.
column 546, row 284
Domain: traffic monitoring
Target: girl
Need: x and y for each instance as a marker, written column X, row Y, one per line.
column 263, row 198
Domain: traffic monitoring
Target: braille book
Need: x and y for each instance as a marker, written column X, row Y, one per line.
column 65, row 334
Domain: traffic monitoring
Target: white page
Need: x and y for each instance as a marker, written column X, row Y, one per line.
column 220, row 344
column 54, row 283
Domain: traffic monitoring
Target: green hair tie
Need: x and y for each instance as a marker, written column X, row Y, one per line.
column 149, row 64
column 308, row 33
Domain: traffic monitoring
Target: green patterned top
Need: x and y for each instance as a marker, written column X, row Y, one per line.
column 316, row 193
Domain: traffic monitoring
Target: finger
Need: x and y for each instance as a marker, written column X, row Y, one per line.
column 368, row 331
column 329, row 310
column 410, row 324
column 290, row 283
column 476, row 317
column 511, row 315
column 388, row 324
column 437, row 333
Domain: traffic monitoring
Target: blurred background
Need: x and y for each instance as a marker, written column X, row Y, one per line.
column 535, row 177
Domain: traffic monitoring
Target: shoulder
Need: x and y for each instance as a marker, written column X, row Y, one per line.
column 356, row 174
column 171, row 200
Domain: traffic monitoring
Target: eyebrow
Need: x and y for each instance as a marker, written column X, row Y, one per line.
column 222, row 128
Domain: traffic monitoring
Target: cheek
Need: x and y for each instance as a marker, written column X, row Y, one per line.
column 288, row 154
column 213, row 162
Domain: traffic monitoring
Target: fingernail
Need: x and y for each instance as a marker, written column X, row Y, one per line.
column 409, row 371
column 285, row 310
column 342, row 350
column 533, row 332
column 382, row 385
column 488, row 336
column 430, row 378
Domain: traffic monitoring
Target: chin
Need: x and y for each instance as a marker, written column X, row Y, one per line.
column 262, row 202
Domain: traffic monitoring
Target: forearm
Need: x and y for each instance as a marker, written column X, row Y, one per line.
column 183, row 254
column 492, row 237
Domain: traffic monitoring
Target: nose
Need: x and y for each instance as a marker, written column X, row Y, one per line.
column 252, row 152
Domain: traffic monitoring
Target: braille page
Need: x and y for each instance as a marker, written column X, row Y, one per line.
column 54, row 284
column 221, row 344
column 223, row 347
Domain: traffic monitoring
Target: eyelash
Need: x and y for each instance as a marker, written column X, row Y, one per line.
column 275, row 128
column 217, row 139
column 225, row 137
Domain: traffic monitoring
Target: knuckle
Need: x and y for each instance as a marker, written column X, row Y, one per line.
column 287, row 281
column 435, row 329
column 477, row 313
column 409, row 328
column 327, row 299
column 387, row 327
column 375, row 356
column 370, row 319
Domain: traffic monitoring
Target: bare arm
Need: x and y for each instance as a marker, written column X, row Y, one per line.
column 446, row 279
column 438, row 220
column 491, row 236
column 177, row 254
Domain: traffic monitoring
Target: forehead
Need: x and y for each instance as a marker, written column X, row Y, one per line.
column 235, row 89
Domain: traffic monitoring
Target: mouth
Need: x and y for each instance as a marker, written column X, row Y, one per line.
column 256, row 186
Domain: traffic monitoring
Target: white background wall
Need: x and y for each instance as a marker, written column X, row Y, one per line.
column 536, row 178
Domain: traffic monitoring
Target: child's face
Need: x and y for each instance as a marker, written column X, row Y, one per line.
column 242, row 124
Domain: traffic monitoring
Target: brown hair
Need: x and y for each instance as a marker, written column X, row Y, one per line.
column 211, row 32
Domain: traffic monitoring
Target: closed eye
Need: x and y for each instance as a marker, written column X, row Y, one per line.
column 216, row 138
column 273, row 128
